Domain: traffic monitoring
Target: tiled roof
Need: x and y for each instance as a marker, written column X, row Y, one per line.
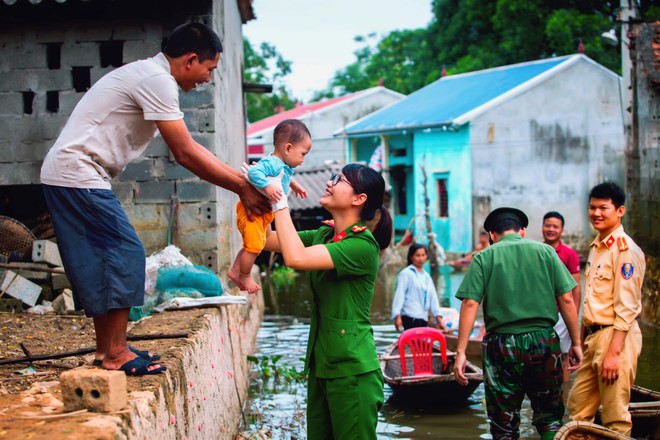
column 455, row 99
column 313, row 180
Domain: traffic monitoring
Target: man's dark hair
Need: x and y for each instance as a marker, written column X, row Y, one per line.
column 506, row 224
column 554, row 214
column 609, row 191
column 193, row 37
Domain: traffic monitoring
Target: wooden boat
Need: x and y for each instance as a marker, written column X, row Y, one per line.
column 473, row 352
column 433, row 389
column 645, row 411
column 578, row 430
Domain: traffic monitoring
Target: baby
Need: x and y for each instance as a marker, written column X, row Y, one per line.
column 272, row 176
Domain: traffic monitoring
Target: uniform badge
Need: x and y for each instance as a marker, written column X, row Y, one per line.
column 623, row 245
column 357, row 229
column 610, row 241
column 627, row 270
column 330, row 223
column 340, row 236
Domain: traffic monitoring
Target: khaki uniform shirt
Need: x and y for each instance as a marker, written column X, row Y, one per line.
column 614, row 277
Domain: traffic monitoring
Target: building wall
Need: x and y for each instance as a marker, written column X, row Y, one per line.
column 446, row 155
column 161, row 198
column 544, row 149
column 322, row 125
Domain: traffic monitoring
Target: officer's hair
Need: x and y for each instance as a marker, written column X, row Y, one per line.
column 554, row 214
column 193, row 37
column 609, row 191
column 289, row 131
column 505, row 224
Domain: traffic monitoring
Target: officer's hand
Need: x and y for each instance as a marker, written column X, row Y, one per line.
column 575, row 357
column 459, row 369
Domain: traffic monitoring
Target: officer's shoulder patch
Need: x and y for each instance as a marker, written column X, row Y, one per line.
column 622, row 244
column 357, row 229
column 330, row 223
column 610, row 241
column 627, row 270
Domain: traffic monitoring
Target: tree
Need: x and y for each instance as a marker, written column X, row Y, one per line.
column 266, row 66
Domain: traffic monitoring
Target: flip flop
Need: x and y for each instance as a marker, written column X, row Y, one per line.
column 140, row 367
column 143, row 354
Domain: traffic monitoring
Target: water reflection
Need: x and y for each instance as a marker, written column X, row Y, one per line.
column 281, row 407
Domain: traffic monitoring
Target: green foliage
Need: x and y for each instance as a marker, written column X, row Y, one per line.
column 283, row 276
column 266, row 66
column 270, row 368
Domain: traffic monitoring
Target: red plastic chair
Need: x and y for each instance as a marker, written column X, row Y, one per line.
column 421, row 340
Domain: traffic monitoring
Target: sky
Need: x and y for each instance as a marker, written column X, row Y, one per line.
column 317, row 36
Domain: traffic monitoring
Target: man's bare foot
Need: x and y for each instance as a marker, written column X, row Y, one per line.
column 127, row 356
column 244, row 282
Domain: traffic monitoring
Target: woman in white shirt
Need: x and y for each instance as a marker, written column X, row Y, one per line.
column 415, row 294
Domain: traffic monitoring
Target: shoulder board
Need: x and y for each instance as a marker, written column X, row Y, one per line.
column 330, row 223
column 610, row 241
column 357, row 229
column 622, row 244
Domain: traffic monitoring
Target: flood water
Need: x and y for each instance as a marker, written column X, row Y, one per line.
column 278, row 406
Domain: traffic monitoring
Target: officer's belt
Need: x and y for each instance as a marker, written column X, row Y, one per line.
column 595, row 328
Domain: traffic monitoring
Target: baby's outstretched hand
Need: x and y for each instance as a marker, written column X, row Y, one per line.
column 298, row 189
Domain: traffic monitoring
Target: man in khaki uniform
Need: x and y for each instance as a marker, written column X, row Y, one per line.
column 612, row 302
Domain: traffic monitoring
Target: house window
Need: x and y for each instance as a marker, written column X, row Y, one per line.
column 443, row 198
column 398, row 177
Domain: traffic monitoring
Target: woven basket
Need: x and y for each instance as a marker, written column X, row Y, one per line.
column 16, row 240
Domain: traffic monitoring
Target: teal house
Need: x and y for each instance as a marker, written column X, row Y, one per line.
column 535, row 135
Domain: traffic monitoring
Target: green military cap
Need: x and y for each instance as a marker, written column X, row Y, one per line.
column 505, row 213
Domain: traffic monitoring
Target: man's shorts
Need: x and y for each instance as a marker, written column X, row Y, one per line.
column 102, row 255
column 564, row 336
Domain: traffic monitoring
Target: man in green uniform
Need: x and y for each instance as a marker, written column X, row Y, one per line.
column 519, row 282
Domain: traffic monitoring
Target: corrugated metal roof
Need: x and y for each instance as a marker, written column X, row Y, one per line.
column 314, row 181
column 451, row 99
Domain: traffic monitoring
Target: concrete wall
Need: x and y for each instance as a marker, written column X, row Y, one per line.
column 323, row 123
column 544, row 149
column 201, row 220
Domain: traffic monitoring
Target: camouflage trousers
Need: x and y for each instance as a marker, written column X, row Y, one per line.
column 518, row 365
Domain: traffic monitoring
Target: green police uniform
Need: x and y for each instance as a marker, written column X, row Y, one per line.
column 345, row 387
column 517, row 281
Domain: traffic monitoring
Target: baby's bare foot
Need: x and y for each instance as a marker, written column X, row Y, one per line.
column 235, row 277
column 249, row 284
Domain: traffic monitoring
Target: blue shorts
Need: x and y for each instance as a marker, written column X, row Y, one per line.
column 101, row 252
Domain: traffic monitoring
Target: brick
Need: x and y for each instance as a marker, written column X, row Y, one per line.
column 173, row 171
column 11, row 305
column 12, row 104
column 20, row 287
column 196, row 99
column 25, row 55
column 59, row 281
column 95, row 389
column 69, row 100
column 33, row 275
column 141, row 49
column 35, row 79
column 206, row 120
column 20, row 173
column 140, row 170
column 46, row 251
column 84, row 53
column 64, row 304
column 123, row 191
column 194, row 191
column 154, row 192
column 157, row 148
column 99, row 72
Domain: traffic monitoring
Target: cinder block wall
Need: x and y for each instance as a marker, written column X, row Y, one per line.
column 45, row 70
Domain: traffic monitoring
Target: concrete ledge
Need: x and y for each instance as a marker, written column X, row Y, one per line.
column 200, row 396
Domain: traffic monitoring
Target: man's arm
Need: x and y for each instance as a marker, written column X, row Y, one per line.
column 468, row 315
column 577, row 292
column 205, row 165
